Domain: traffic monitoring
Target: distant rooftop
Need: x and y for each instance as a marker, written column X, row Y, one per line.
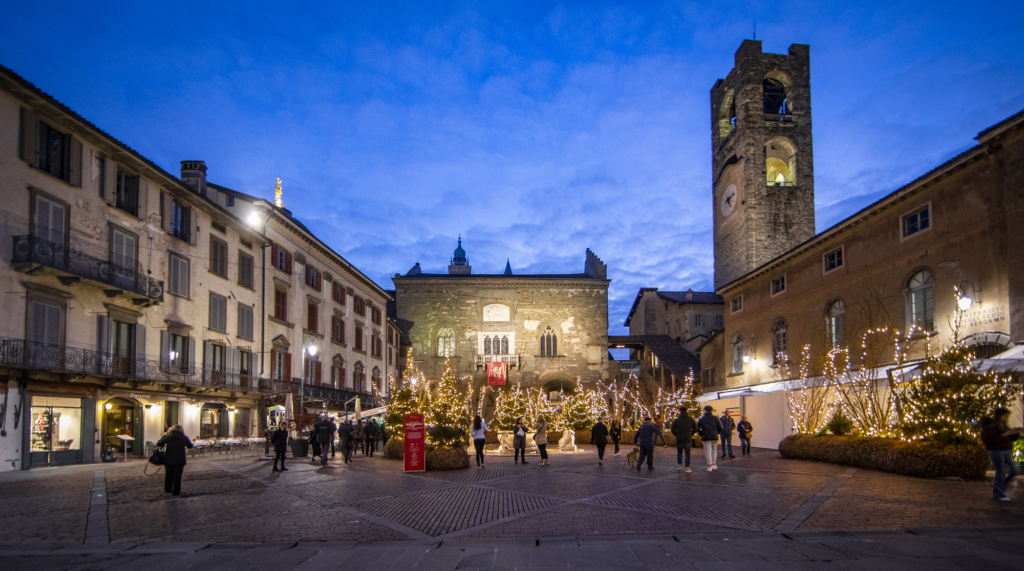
column 680, row 297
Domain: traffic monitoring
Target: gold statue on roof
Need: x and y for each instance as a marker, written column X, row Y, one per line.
column 277, row 195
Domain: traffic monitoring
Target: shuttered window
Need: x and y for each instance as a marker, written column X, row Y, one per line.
column 126, row 193
column 49, row 220
column 218, row 313
column 245, row 321
column 218, row 257
column 123, row 250
column 281, row 304
column 245, row 270
column 177, row 276
column 45, row 323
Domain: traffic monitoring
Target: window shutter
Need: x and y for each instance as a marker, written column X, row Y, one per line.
column 143, row 198
column 193, row 230
column 192, row 354
column 75, row 163
column 287, row 376
column 288, row 263
column 234, row 363
column 334, row 376
column 166, row 210
column 319, row 373
column 273, row 254
column 140, row 342
column 273, row 364
column 165, row 350
column 102, row 331
column 29, row 132
column 207, row 355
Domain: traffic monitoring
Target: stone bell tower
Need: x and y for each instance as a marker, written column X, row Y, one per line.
column 762, row 159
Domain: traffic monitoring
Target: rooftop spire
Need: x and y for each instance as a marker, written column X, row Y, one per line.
column 508, row 267
column 277, row 195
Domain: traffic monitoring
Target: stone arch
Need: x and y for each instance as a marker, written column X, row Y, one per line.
column 727, row 115
column 555, row 384
column 988, row 344
column 780, row 162
column 776, row 87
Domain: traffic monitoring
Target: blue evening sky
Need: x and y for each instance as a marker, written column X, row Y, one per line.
column 536, row 129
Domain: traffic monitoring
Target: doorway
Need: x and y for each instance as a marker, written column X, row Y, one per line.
column 123, row 418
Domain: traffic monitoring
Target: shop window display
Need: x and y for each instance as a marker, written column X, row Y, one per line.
column 56, row 430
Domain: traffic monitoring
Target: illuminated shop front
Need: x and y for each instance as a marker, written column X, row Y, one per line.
column 56, row 431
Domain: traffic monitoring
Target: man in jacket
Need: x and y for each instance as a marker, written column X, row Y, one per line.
column 998, row 439
column 683, row 428
column 599, row 436
column 728, row 426
column 325, row 430
column 744, row 430
column 371, row 437
column 345, row 436
column 710, row 428
column 279, row 439
column 645, row 437
column 175, row 442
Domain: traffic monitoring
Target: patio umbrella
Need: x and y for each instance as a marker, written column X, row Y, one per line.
column 289, row 415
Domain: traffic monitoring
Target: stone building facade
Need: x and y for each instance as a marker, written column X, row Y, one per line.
column 548, row 328
column 897, row 263
column 689, row 317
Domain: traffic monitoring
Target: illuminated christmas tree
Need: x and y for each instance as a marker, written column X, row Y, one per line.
column 445, row 412
column 576, row 412
column 403, row 401
column 510, row 405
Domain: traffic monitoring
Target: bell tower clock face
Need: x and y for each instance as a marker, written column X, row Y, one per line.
column 728, row 200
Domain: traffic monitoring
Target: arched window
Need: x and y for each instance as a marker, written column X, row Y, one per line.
column 548, row 343
column 504, row 345
column 921, row 301
column 780, row 162
column 737, row 354
column 774, row 97
column 835, row 324
column 779, row 342
column 727, row 115
column 487, row 345
column 358, row 377
column 375, row 378
column 445, row 342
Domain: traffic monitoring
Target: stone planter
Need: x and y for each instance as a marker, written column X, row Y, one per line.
column 300, row 447
column 568, row 441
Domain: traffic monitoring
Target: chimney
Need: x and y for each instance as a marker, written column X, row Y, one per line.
column 193, row 173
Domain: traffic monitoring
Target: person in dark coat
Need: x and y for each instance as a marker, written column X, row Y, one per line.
column 998, row 439
column 615, row 433
column 371, row 437
column 346, row 437
column 599, row 436
column 324, row 431
column 744, row 430
column 359, row 437
column 683, row 428
column 709, row 428
column 175, row 442
column 645, row 438
column 519, row 440
column 728, row 426
column 279, row 439
column 314, row 444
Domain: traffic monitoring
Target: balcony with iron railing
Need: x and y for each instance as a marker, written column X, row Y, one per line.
column 33, row 356
column 85, row 261
column 512, row 360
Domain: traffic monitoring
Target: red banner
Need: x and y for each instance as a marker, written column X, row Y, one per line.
column 497, row 373
column 415, row 453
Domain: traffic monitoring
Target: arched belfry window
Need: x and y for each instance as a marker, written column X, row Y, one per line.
column 921, row 301
column 548, row 343
column 737, row 354
column 780, row 162
column 445, row 342
column 727, row 115
column 774, row 97
column 779, row 342
column 835, row 324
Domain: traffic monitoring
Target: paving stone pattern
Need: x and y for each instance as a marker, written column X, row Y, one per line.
column 227, row 501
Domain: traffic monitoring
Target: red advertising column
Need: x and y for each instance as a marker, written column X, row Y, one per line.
column 415, row 453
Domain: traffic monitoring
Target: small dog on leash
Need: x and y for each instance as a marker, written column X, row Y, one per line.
column 632, row 456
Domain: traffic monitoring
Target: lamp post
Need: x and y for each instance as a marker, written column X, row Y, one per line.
column 258, row 219
column 311, row 352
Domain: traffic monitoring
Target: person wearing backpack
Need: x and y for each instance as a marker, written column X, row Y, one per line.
column 279, row 438
column 174, row 458
column 709, row 429
column 683, row 428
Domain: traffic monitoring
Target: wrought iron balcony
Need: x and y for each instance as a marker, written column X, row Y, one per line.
column 75, row 259
column 512, row 360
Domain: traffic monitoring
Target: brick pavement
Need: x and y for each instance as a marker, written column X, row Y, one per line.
column 227, row 501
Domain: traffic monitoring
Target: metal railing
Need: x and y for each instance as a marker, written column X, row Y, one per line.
column 778, row 118
column 512, row 360
column 22, row 354
column 74, row 259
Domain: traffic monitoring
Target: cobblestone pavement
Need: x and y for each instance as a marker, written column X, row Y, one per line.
column 791, row 510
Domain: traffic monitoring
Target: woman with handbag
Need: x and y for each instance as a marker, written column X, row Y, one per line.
column 175, row 443
column 745, row 430
column 541, row 438
column 519, row 440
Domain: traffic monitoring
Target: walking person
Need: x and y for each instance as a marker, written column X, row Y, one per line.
column 314, row 444
column 175, row 443
column 998, row 439
column 325, row 430
column 645, row 438
column 371, row 437
column 599, row 436
column 728, row 426
column 710, row 427
column 332, row 438
column 519, row 440
column 345, row 437
column 683, row 428
column 744, row 430
column 359, row 436
column 615, row 433
column 540, row 436
column 280, row 441
column 476, row 431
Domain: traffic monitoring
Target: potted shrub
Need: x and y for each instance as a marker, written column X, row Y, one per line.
column 299, row 441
